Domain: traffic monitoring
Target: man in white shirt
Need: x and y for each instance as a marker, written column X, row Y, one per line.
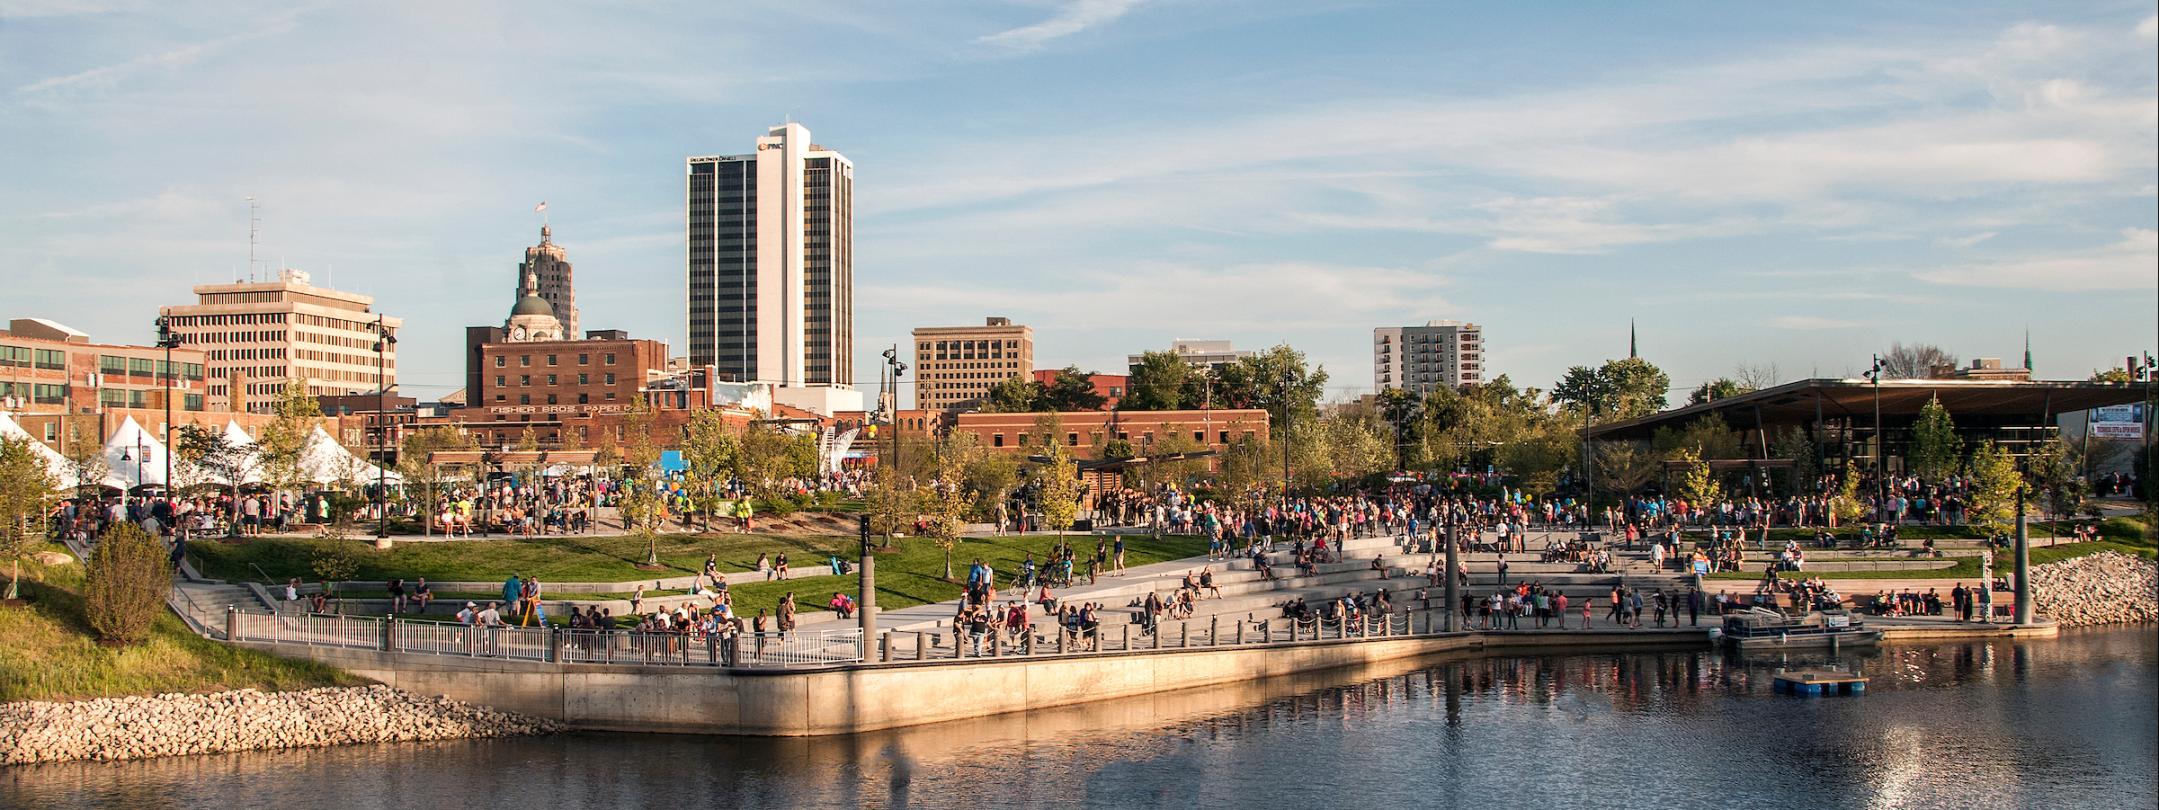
column 491, row 617
column 467, row 615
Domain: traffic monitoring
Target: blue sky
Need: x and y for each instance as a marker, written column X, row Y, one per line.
column 1793, row 185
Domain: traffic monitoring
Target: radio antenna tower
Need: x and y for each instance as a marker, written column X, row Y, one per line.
column 254, row 232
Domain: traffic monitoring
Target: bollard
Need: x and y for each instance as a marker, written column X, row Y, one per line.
column 1240, row 633
column 1214, row 631
column 388, row 623
column 1184, row 635
column 884, row 648
column 1124, row 636
column 1061, row 640
column 919, row 646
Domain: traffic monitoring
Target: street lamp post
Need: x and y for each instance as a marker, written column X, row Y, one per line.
column 1453, row 582
column 1881, row 444
column 167, row 340
column 1288, row 379
column 383, row 341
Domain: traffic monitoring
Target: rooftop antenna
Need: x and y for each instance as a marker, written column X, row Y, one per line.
column 254, row 231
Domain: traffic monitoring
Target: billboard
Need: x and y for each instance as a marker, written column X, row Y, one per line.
column 2118, row 422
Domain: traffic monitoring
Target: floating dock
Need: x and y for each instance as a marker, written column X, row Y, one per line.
column 1820, row 682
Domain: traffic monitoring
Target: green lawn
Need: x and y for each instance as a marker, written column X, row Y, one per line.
column 557, row 559
column 2123, row 534
column 51, row 654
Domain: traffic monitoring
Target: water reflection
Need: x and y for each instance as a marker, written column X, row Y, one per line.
column 2066, row 723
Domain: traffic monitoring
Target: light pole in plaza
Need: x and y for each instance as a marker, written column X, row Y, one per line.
column 383, row 341
column 1881, row 445
column 168, row 341
column 866, row 607
column 1454, row 584
column 1289, row 378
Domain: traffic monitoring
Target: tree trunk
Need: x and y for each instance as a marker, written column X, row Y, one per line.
column 948, row 563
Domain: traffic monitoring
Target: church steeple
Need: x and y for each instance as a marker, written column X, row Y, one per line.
column 1632, row 349
column 2027, row 349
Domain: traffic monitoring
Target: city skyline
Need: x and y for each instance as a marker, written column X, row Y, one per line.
column 1787, row 189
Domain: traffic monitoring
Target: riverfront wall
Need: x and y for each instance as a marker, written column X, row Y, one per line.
column 841, row 700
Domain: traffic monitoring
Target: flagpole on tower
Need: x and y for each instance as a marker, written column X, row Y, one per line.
column 542, row 208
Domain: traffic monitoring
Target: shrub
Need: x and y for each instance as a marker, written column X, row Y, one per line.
column 124, row 584
column 334, row 562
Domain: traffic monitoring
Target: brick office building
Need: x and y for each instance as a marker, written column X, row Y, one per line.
column 1084, row 431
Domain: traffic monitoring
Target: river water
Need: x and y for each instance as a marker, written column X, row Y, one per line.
column 2066, row 723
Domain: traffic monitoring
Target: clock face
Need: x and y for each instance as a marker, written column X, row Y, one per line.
column 517, row 333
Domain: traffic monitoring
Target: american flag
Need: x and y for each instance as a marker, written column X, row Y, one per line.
column 541, row 207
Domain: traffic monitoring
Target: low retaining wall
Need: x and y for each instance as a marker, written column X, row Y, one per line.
column 241, row 720
column 842, row 700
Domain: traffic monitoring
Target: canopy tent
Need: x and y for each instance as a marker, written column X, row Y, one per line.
column 56, row 464
column 135, row 457
column 236, row 436
column 327, row 462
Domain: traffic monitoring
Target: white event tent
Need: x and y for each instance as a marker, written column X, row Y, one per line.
column 56, row 464
column 135, row 457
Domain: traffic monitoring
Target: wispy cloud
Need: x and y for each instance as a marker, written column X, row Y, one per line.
column 169, row 59
column 1965, row 241
column 1809, row 322
column 2129, row 264
column 1072, row 18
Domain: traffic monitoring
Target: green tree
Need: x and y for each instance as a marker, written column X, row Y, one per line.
column 2113, row 375
column 1276, row 380
column 1935, row 447
column 124, row 584
column 1994, row 485
column 425, row 479
column 1846, row 504
column 282, row 450
column 948, row 501
column 1403, row 412
column 640, row 504
column 1625, row 467
column 1709, row 437
column 1158, row 382
column 1058, row 488
column 1620, row 389
column 26, row 492
column 1070, row 390
column 2052, row 469
column 1697, row 483
column 1014, row 394
column 1719, row 388
column 710, row 452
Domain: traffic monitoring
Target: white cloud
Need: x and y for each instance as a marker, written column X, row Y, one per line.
column 1074, row 17
column 1809, row 322
column 2149, row 28
column 2129, row 264
column 1965, row 241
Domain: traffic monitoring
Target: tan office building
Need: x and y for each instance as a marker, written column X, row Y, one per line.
column 955, row 366
column 258, row 334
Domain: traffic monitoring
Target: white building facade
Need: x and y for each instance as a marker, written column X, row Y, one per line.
column 1422, row 358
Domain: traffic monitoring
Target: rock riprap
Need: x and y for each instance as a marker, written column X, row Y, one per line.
column 241, row 720
column 2104, row 588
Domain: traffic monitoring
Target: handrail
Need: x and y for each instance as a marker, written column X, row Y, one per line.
column 267, row 581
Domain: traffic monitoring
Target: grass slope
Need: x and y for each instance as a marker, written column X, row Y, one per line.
column 52, row 655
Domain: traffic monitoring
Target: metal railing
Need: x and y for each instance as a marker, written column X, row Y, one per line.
column 803, row 648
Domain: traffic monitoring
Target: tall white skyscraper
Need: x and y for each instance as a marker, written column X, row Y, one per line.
column 1422, row 358
column 771, row 263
